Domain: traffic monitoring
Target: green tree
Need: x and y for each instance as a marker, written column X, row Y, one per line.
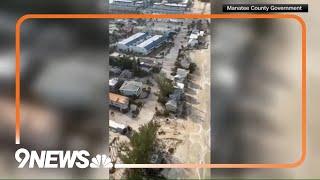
column 140, row 149
column 125, row 62
column 137, row 69
column 165, row 85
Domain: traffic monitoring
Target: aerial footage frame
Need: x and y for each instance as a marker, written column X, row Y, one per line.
column 181, row 16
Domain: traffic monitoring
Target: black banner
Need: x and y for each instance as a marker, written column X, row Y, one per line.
column 265, row 8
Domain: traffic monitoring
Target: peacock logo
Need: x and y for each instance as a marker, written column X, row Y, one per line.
column 101, row 161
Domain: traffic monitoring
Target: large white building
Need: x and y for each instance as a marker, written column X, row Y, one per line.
column 126, row 5
column 170, row 8
column 141, row 43
column 148, row 45
column 125, row 44
column 148, row 6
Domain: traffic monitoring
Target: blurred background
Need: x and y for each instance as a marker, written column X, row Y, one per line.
column 256, row 94
column 63, row 77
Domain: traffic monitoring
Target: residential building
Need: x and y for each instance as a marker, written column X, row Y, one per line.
column 181, row 75
column 115, row 71
column 114, row 84
column 176, row 95
column 179, row 86
column 119, row 101
column 193, row 42
column 131, row 88
column 194, row 37
column 185, row 63
column 172, row 105
column 126, row 74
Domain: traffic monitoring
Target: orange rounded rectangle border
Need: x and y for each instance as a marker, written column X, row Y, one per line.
column 181, row 16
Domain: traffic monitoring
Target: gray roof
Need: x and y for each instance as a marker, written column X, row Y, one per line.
column 151, row 42
column 182, row 73
column 172, row 103
column 176, row 95
column 126, row 74
column 131, row 86
column 185, row 63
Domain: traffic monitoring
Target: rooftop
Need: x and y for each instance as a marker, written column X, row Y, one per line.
column 149, row 41
column 132, row 39
column 182, row 72
column 131, row 85
column 118, row 98
column 194, row 36
column 115, row 70
column 175, row 5
column 116, row 125
column 172, row 103
column 180, row 85
column 113, row 81
column 124, row 1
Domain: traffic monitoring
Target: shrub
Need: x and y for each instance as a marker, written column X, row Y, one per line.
column 165, row 86
column 193, row 67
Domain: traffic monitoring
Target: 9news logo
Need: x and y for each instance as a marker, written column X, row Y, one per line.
column 61, row 159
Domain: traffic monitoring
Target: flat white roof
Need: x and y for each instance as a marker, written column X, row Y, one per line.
column 175, row 5
column 185, row 1
column 132, row 38
column 180, row 85
column 194, row 36
column 113, row 81
column 125, row 1
column 115, row 125
column 149, row 41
